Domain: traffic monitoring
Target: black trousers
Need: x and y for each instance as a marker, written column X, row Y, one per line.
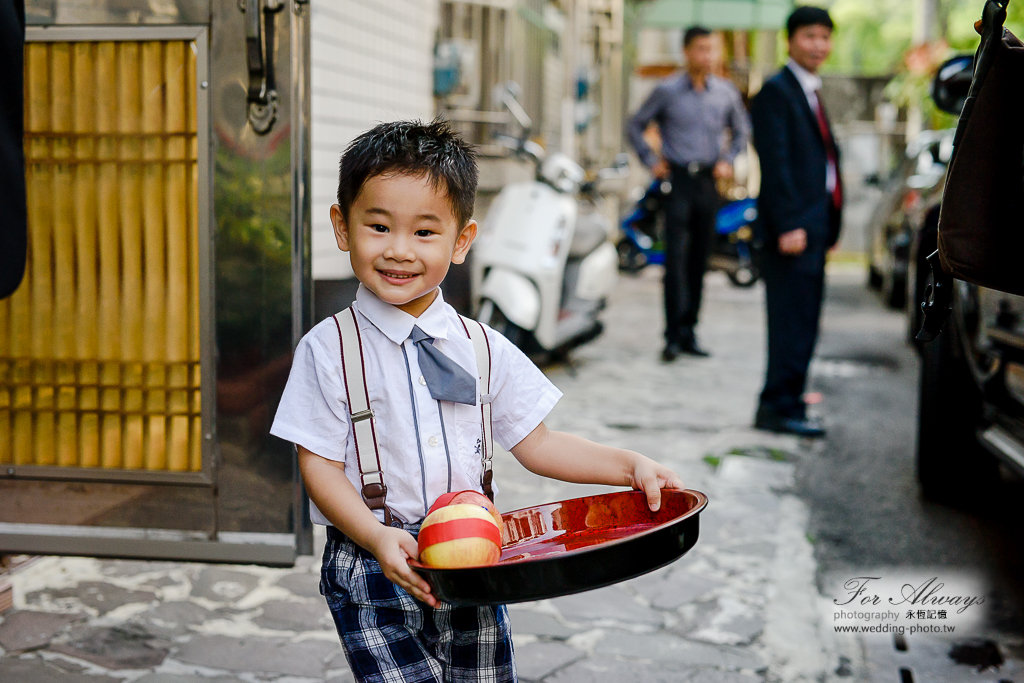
column 689, row 230
column 794, row 291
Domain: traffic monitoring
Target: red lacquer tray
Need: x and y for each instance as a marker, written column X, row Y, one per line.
column 575, row 545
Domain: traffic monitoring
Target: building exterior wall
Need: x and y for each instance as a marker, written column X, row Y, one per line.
column 372, row 61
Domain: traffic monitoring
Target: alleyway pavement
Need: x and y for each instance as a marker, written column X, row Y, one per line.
column 740, row 607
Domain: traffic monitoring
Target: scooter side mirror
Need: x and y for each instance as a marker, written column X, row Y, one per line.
column 952, row 81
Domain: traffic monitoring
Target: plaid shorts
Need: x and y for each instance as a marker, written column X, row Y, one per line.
column 390, row 637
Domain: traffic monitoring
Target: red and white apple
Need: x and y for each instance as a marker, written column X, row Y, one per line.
column 468, row 498
column 474, row 498
column 459, row 535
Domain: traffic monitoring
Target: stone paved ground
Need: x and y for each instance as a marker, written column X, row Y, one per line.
column 740, row 607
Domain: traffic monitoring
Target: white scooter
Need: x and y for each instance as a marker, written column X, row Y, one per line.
column 545, row 261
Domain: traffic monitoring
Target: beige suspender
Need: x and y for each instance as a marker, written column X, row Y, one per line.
column 483, row 365
column 364, row 432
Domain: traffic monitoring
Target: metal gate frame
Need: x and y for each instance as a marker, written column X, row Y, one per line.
column 271, row 549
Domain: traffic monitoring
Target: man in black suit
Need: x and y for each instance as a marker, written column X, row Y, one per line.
column 800, row 208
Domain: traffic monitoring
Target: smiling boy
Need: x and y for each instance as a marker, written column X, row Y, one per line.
column 404, row 215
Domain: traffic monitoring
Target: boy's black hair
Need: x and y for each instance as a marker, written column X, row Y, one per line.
column 412, row 148
column 805, row 15
column 693, row 33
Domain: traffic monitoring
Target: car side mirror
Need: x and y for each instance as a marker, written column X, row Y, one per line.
column 952, row 81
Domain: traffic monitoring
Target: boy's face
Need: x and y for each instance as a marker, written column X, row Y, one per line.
column 402, row 236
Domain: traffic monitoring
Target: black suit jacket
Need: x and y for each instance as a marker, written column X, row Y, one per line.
column 793, row 166
column 13, row 234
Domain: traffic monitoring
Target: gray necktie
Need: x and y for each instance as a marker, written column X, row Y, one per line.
column 446, row 379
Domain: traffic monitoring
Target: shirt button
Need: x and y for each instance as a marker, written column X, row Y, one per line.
column 432, row 441
column 423, row 381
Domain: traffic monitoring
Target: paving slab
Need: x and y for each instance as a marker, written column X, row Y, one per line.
column 185, row 678
column 223, row 585
column 303, row 584
column 171, row 619
column 28, row 630
column 117, row 648
column 604, row 604
column 97, row 597
column 270, row 655
column 536, row 623
column 671, row 591
column 339, row 660
column 762, row 549
column 36, row 670
column 662, row 647
column 602, row 670
column 742, row 472
column 718, row 676
column 295, row 616
column 536, row 660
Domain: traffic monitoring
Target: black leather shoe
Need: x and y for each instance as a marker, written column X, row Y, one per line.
column 808, row 427
column 693, row 349
column 671, row 352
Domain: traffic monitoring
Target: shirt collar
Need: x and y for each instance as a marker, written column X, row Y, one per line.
column 395, row 323
column 688, row 82
column 811, row 83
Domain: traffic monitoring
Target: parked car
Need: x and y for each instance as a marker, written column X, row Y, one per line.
column 890, row 228
column 971, row 409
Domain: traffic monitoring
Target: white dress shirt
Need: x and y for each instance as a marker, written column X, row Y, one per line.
column 443, row 454
column 811, row 85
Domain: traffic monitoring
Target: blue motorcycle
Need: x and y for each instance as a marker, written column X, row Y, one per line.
column 641, row 243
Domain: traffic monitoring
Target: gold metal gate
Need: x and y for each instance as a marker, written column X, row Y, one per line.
column 100, row 346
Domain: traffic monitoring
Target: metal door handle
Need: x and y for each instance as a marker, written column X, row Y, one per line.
column 259, row 50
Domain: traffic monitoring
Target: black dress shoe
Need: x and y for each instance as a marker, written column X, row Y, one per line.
column 790, row 425
column 693, row 349
column 671, row 352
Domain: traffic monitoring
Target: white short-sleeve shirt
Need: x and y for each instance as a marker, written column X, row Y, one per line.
column 427, row 447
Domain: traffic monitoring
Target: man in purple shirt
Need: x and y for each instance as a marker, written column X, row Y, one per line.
column 692, row 111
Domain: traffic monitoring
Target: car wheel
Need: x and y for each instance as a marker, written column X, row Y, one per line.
column 631, row 259
column 918, row 275
column 952, row 467
column 895, row 292
column 744, row 275
column 874, row 278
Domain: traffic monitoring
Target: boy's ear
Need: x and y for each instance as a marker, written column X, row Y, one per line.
column 464, row 242
column 340, row 227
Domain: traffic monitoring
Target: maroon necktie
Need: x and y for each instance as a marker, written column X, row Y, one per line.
column 830, row 151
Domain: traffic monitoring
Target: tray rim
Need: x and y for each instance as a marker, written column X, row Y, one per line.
column 702, row 502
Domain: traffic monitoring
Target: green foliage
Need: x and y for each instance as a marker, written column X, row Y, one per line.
column 871, row 36
column 712, row 460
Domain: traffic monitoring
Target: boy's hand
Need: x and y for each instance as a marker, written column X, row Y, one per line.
column 651, row 477
column 393, row 549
